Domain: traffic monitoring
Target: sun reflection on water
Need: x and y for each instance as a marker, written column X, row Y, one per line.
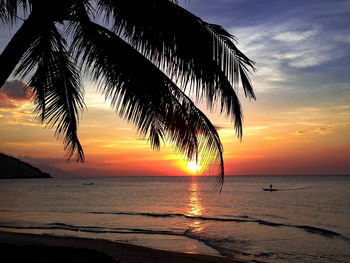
column 194, row 207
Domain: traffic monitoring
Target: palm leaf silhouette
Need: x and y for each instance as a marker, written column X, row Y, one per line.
column 145, row 56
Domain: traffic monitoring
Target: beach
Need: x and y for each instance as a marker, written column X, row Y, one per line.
column 23, row 247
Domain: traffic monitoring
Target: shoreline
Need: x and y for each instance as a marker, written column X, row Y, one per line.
column 46, row 247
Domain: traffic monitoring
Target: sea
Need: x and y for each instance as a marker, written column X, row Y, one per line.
column 306, row 220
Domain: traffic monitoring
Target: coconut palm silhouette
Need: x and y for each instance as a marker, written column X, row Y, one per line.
column 147, row 57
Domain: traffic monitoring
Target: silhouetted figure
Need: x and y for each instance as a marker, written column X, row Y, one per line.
column 270, row 186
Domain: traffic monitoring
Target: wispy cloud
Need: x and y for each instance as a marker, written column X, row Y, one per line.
column 294, row 51
column 271, row 138
column 13, row 93
column 294, row 36
column 278, row 54
column 324, row 130
column 301, row 132
column 15, row 105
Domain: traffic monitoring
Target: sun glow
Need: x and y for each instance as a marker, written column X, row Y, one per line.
column 193, row 166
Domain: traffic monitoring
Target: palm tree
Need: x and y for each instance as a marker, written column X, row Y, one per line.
column 147, row 57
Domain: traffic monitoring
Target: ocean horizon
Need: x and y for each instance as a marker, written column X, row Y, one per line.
column 306, row 220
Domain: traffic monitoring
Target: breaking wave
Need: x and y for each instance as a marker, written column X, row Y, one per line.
column 239, row 219
column 186, row 232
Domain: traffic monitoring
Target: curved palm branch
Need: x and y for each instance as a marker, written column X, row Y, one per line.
column 189, row 49
column 56, row 84
column 145, row 96
column 9, row 10
column 145, row 63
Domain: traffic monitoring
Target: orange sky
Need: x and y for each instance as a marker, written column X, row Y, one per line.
column 300, row 123
column 276, row 140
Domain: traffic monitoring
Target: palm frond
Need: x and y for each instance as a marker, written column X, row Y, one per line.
column 209, row 141
column 155, row 52
column 243, row 62
column 188, row 49
column 9, row 10
column 145, row 96
column 57, row 88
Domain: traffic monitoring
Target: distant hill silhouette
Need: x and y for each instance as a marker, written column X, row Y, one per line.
column 13, row 168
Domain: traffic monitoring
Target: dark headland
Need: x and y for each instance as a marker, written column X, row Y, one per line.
column 13, row 168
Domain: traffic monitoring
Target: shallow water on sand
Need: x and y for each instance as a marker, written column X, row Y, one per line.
column 307, row 220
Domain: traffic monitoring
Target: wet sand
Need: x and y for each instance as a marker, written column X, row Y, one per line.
column 20, row 247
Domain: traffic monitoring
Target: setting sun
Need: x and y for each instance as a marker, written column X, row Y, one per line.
column 193, row 166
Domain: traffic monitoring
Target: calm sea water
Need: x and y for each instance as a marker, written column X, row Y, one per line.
column 308, row 220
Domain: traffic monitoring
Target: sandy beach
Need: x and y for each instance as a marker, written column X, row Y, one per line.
column 20, row 247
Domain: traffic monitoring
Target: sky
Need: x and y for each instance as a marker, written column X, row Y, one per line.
column 299, row 124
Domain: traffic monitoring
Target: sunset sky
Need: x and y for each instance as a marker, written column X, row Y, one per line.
column 300, row 123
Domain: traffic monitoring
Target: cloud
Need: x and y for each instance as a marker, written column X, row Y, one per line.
column 301, row 132
column 218, row 128
column 278, row 51
column 15, row 90
column 297, row 47
column 294, row 36
column 6, row 104
column 342, row 107
column 271, row 138
column 324, row 130
column 15, row 106
column 343, row 38
column 20, row 114
column 12, row 93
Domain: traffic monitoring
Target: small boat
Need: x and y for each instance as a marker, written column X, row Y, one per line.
column 88, row 183
column 270, row 189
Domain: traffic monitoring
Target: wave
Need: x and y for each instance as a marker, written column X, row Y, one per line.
column 88, row 229
column 189, row 232
column 102, row 230
column 322, row 231
column 238, row 219
column 210, row 242
column 235, row 219
column 215, row 243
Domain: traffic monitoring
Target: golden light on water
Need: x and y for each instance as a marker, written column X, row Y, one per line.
column 194, row 207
